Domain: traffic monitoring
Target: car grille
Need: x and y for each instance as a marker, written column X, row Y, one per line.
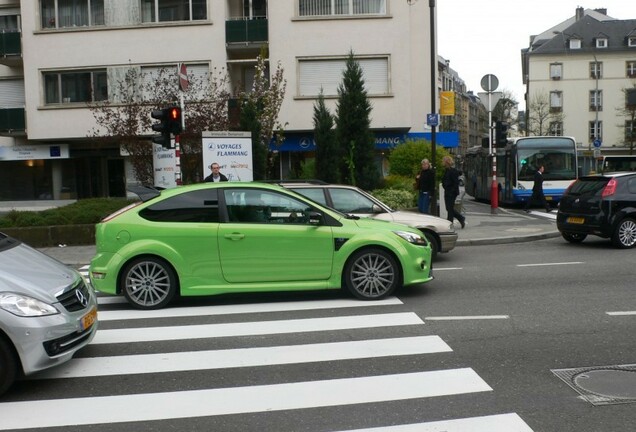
column 63, row 344
column 75, row 299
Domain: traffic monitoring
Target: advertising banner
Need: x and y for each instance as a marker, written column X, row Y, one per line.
column 165, row 166
column 232, row 151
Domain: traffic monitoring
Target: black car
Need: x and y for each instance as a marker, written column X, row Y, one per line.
column 600, row 205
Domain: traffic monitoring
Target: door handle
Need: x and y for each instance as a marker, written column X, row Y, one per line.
column 235, row 236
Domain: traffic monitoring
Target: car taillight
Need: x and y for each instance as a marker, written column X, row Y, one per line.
column 120, row 211
column 609, row 189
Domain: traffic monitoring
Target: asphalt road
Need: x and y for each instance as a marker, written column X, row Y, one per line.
column 476, row 349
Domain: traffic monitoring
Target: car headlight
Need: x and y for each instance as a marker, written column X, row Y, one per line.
column 25, row 306
column 412, row 237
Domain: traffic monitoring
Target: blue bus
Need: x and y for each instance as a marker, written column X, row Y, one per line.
column 516, row 164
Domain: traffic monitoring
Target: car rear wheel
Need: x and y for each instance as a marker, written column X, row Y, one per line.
column 8, row 366
column 149, row 283
column 372, row 274
column 625, row 234
column 573, row 237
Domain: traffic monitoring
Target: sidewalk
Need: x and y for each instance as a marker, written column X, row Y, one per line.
column 482, row 228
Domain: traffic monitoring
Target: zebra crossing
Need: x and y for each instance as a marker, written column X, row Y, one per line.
column 235, row 340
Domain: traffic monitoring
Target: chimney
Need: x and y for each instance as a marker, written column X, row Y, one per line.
column 579, row 13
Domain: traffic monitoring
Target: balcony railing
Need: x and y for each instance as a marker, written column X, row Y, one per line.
column 12, row 120
column 246, row 30
column 10, row 44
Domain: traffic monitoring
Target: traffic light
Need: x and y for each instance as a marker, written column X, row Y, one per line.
column 501, row 134
column 169, row 124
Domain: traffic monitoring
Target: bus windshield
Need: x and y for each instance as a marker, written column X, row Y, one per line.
column 618, row 163
column 559, row 160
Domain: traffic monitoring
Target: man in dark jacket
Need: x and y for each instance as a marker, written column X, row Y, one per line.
column 537, row 192
column 425, row 186
column 216, row 175
column 450, row 183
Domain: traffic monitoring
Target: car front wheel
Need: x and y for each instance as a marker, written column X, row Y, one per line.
column 573, row 237
column 372, row 274
column 434, row 244
column 149, row 283
column 8, row 366
column 625, row 234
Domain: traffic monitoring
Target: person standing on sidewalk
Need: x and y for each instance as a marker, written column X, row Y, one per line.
column 450, row 183
column 425, row 186
column 537, row 192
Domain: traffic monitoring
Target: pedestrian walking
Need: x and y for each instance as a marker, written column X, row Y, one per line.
column 537, row 192
column 216, row 175
column 450, row 182
column 425, row 181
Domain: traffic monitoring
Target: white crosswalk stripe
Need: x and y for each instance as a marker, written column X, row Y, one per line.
column 145, row 345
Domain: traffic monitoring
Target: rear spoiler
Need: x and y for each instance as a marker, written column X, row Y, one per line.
column 145, row 192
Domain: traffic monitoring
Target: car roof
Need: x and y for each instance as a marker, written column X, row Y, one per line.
column 146, row 193
column 616, row 174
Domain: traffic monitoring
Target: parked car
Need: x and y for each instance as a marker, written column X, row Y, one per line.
column 215, row 238
column 47, row 311
column 600, row 205
column 352, row 200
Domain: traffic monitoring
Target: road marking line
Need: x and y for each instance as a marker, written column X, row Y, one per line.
column 494, row 423
column 467, row 317
column 185, row 332
column 621, row 313
column 238, row 400
column 245, row 357
column 436, row 269
column 241, row 308
column 550, row 264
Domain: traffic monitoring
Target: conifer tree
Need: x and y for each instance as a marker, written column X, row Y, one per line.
column 327, row 151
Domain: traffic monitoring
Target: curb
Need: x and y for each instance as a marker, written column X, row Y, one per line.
column 508, row 240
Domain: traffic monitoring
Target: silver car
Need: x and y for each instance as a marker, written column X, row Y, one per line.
column 47, row 311
column 352, row 200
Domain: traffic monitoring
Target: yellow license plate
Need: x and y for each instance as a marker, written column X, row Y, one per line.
column 575, row 220
column 89, row 319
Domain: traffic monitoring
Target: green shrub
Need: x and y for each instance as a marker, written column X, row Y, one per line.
column 395, row 198
column 406, row 159
column 85, row 211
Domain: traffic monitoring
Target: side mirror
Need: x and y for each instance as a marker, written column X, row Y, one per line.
column 376, row 209
column 315, row 218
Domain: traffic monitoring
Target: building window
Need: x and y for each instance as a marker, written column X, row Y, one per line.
column 556, row 71
column 631, row 69
column 601, row 43
column 596, row 130
column 71, row 13
column 326, row 74
column 341, row 7
column 173, row 10
column 631, row 41
column 556, row 101
column 76, row 86
column 556, row 128
column 9, row 23
column 575, row 43
column 630, row 131
column 596, row 100
column 596, row 70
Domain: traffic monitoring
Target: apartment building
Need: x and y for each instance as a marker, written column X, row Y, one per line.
column 582, row 69
column 57, row 55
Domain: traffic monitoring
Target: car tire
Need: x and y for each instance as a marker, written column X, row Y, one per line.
column 573, row 237
column 148, row 283
column 430, row 238
column 372, row 274
column 8, row 365
column 625, row 234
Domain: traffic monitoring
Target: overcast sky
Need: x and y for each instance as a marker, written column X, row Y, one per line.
column 481, row 37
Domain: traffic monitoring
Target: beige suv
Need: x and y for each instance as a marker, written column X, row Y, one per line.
column 352, row 200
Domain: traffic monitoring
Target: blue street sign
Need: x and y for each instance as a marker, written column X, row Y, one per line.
column 597, row 143
column 432, row 119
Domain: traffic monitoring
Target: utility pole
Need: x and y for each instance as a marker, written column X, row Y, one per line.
column 490, row 83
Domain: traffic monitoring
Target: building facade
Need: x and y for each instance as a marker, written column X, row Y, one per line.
column 56, row 56
column 578, row 75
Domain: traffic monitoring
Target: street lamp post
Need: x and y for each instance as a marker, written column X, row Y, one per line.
column 431, row 5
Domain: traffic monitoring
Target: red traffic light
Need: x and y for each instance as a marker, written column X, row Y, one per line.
column 175, row 113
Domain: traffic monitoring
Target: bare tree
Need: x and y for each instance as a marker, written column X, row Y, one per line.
column 125, row 119
column 628, row 113
column 542, row 116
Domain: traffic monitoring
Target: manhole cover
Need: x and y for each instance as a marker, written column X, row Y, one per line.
column 602, row 385
column 614, row 383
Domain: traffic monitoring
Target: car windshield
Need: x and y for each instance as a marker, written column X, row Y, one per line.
column 588, row 186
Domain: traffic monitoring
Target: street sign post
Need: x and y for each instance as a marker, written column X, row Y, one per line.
column 432, row 119
column 597, row 143
column 490, row 83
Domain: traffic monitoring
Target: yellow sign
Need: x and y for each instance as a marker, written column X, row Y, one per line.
column 447, row 103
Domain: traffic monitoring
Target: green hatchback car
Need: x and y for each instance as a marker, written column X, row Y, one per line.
column 215, row 238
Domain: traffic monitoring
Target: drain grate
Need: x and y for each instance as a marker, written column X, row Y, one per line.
column 602, row 385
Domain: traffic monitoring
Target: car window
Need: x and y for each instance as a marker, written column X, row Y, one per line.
column 350, row 201
column 588, row 187
column 314, row 194
column 265, row 207
column 195, row 206
column 631, row 185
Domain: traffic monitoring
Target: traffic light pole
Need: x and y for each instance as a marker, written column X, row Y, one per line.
column 494, row 190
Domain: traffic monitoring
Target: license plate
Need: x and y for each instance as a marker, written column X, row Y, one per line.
column 575, row 220
column 89, row 319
